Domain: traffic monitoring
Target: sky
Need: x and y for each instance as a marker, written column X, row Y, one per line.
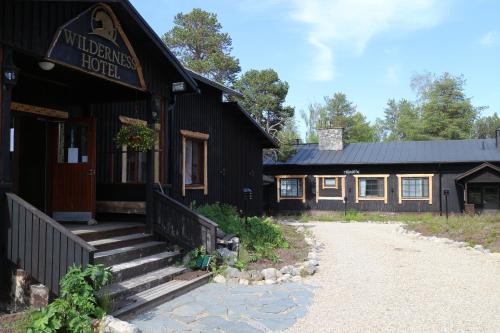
column 368, row 49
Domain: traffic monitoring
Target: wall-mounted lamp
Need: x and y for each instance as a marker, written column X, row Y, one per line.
column 10, row 74
column 46, row 65
column 178, row 86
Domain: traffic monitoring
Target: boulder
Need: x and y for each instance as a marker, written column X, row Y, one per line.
column 232, row 273
column 308, row 270
column 295, row 271
column 297, row 278
column 312, row 262
column 245, row 275
column 110, row 324
column 285, row 278
column 244, row 282
column 256, row 275
column 301, row 229
column 287, row 269
column 311, row 255
column 39, row 296
column 227, row 255
column 270, row 273
column 219, row 279
column 270, row 281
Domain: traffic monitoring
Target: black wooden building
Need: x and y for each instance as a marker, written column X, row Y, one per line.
column 386, row 176
column 74, row 73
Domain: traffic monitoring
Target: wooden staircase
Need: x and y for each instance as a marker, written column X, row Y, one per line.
column 144, row 269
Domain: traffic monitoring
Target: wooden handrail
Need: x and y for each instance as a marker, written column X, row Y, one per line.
column 177, row 222
column 41, row 246
column 47, row 219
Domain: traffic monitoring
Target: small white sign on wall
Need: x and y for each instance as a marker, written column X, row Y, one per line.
column 11, row 140
column 72, row 155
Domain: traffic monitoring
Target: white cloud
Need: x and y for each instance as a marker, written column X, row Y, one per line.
column 488, row 38
column 333, row 24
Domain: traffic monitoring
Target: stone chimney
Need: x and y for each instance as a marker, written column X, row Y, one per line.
column 497, row 136
column 331, row 138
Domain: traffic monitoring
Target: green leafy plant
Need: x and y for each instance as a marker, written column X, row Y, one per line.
column 137, row 137
column 259, row 236
column 77, row 304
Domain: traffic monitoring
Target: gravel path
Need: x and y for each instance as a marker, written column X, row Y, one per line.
column 374, row 279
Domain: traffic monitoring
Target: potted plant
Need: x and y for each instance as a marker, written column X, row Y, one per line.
column 137, row 137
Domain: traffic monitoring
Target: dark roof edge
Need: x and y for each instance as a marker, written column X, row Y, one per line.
column 476, row 169
column 160, row 44
column 377, row 163
column 215, row 84
column 269, row 138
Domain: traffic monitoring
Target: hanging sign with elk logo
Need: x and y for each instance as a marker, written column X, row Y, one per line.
column 95, row 43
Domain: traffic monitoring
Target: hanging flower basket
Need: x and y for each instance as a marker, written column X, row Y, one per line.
column 137, row 137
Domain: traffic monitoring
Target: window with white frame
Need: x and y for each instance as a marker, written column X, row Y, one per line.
column 194, row 161
column 330, row 183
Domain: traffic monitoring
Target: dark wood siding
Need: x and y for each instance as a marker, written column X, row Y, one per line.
column 447, row 174
column 234, row 152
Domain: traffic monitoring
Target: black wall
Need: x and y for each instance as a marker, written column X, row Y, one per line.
column 444, row 174
column 234, row 150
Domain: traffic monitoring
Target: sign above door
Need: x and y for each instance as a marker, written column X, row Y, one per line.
column 95, row 43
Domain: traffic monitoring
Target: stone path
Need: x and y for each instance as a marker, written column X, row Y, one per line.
column 230, row 308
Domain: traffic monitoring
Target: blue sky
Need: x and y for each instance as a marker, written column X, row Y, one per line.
column 368, row 49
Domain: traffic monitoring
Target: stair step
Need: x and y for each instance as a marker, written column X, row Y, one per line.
column 149, row 298
column 120, row 241
column 136, row 267
column 122, row 254
column 140, row 283
column 106, row 230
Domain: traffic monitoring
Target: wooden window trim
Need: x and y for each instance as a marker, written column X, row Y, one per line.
column 325, row 187
column 382, row 198
column 278, row 187
column 429, row 176
column 317, row 181
column 41, row 111
column 197, row 136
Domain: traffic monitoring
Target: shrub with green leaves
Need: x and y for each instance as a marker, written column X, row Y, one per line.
column 260, row 237
column 77, row 304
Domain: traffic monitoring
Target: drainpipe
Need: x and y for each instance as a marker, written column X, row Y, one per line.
column 440, row 191
column 169, row 140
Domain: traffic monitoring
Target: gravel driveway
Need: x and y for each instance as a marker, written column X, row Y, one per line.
column 374, row 279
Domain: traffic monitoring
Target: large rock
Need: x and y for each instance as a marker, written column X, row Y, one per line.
column 232, row 273
column 256, row 275
column 39, row 296
column 219, row 279
column 110, row 324
column 295, row 271
column 287, row 269
column 244, row 282
column 313, row 262
column 228, row 256
column 245, row 275
column 285, row 278
column 270, row 273
column 308, row 270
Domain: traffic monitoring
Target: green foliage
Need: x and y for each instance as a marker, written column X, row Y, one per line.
column 77, row 305
column 197, row 257
column 287, row 139
column 485, row 127
column 259, row 237
column 138, row 137
column 338, row 111
column 264, row 96
column 401, row 122
column 196, row 39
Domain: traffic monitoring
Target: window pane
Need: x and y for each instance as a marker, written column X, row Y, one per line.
column 291, row 187
column 330, row 182
column 188, row 163
column 371, row 187
column 415, row 187
column 194, row 162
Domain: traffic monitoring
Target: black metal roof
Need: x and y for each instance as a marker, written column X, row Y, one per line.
column 402, row 152
column 215, row 84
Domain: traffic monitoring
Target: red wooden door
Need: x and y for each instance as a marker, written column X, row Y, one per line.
column 73, row 171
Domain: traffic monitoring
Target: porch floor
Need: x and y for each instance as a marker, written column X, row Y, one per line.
column 82, row 229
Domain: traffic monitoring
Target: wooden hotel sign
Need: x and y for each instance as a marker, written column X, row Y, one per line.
column 94, row 42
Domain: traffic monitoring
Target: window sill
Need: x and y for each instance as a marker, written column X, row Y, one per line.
column 195, row 187
column 371, row 198
column 291, row 198
column 416, row 199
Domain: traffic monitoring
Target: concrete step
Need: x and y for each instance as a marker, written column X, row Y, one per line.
column 120, row 241
column 147, row 299
column 127, row 253
column 140, row 266
column 116, row 291
column 106, row 230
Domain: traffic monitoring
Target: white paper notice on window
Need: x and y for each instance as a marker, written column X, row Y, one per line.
column 85, row 159
column 72, row 155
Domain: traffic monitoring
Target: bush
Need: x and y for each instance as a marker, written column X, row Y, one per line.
column 259, row 237
column 77, row 305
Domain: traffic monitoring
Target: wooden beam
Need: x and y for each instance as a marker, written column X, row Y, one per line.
column 41, row 111
column 195, row 135
column 134, row 121
column 183, row 166
column 316, row 179
column 205, row 167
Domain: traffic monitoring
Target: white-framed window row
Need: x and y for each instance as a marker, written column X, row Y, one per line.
column 415, row 187
column 326, row 182
column 291, row 187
